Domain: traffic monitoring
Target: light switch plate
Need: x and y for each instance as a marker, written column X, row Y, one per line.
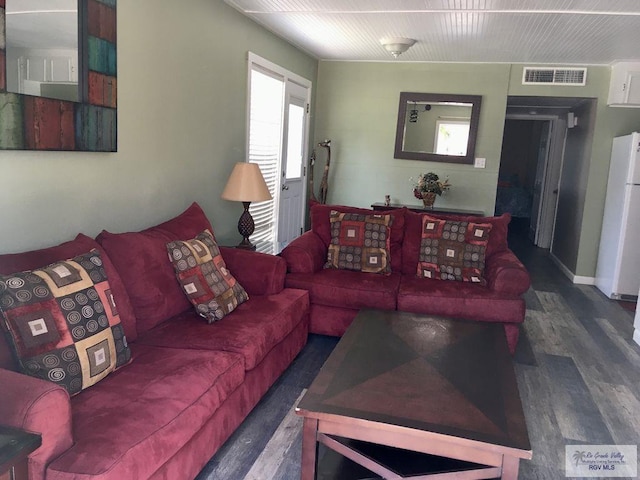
column 480, row 163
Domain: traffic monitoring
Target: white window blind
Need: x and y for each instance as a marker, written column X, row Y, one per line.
column 265, row 147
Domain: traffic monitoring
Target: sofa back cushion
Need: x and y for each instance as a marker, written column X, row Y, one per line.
column 321, row 226
column 17, row 262
column 413, row 235
column 146, row 271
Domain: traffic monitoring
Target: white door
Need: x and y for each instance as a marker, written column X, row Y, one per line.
column 539, row 184
column 277, row 139
column 293, row 185
column 549, row 203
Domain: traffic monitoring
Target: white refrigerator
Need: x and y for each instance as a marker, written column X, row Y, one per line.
column 618, row 270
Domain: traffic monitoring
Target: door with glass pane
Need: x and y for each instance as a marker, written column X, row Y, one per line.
column 292, row 189
column 277, row 141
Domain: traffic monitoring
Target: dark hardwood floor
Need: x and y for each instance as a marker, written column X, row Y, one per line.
column 577, row 366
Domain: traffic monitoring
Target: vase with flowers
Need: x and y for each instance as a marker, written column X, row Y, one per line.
column 429, row 185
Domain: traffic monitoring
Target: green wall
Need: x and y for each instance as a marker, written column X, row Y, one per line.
column 182, row 89
column 357, row 106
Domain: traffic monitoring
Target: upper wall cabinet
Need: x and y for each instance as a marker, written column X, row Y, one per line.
column 624, row 90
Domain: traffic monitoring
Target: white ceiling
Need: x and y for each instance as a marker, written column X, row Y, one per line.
column 567, row 32
column 42, row 24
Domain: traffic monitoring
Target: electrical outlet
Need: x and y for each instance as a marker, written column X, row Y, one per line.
column 480, row 163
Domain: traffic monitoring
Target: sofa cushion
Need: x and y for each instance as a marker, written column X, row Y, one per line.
column 252, row 330
column 413, row 235
column 347, row 289
column 135, row 420
column 452, row 250
column 359, row 242
column 141, row 259
column 17, row 262
column 457, row 299
column 204, row 276
column 321, row 225
column 63, row 322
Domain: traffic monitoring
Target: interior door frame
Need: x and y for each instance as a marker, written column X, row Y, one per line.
column 552, row 175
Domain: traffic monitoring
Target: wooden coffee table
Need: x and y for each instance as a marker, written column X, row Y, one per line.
column 400, row 383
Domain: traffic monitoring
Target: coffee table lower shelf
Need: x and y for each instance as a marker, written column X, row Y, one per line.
column 345, row 459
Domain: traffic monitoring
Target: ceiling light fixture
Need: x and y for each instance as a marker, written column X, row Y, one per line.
column 397, row 45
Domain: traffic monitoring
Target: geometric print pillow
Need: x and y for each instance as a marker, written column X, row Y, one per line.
column 452, row 250
column 63, row 323
column 360, row 242
column 204, row 277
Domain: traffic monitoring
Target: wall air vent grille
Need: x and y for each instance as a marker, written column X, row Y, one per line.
column 554, row 76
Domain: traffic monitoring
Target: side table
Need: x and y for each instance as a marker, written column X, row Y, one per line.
column 15, row 446
column 421, row 209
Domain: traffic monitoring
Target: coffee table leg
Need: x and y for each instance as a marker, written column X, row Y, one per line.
column 309, row 449
column 510, row 466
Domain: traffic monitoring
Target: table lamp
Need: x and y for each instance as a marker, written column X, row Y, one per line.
column 246, row 184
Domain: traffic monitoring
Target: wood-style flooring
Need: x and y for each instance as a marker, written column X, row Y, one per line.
column 577, row 367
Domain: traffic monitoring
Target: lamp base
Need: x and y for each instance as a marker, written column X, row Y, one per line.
column 245, row 244
column 246, row 226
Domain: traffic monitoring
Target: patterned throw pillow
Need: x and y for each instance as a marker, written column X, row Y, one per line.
column 360, row 242
column 204, row 277
column 63, row 323
column 452, row 250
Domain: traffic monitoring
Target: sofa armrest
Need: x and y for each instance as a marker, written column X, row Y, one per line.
column 40, row 407
column 506, row 274
column 258, row 273
column 305, row 254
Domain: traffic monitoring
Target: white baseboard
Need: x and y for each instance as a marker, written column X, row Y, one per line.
column 636, row 336
column 577, row 279
column 582, row 280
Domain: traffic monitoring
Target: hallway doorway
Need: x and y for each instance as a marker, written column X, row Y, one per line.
column 532, row 163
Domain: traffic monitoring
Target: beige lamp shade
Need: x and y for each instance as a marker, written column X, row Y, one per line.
column 246, row 184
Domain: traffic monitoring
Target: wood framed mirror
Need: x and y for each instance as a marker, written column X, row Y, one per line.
column 58, row 75
column 437, row 127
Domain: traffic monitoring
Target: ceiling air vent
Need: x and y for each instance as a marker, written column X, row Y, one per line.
column 554, row 76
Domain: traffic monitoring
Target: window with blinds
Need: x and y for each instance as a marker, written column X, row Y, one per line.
column 265, row 148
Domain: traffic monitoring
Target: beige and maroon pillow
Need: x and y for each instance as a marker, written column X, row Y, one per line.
column 453, row 250
column 63, row 323
column 204, row 276
column 360, row 242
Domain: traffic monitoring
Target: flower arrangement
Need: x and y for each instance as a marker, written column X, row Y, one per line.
column 430, row 183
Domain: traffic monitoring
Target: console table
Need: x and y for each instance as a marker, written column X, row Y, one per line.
column 15, row 446
column 421, row 209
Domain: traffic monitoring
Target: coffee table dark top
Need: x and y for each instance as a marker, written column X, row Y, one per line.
column 452, row 377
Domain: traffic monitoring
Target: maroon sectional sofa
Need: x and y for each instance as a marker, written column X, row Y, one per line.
column 337, row 295
column 189, row 384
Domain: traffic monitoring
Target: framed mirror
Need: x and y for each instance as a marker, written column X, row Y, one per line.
column 58, row 75
column 42, row 48
column 437, row 127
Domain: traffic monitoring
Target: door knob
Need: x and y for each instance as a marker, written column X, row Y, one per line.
column 285, row 187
